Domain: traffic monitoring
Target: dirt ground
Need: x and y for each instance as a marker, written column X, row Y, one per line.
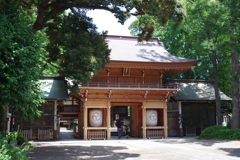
column 149, row 149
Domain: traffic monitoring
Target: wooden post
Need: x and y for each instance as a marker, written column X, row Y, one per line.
column 180, row 118
column 109, row 121
column 80, row 125
column 165, row 120
column 144, row 122
column 85, row 122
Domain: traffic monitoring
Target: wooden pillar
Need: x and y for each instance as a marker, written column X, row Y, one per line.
column 80, row 120
column 109, row 121
column 144, row 122
column 80, row 125
column 180, row 118
column 85, row 122
column 55, row 122
column 165, row 120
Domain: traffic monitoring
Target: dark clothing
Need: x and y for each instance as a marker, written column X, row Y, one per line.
column 119, row 126
column 126, row 128
column 119, row 133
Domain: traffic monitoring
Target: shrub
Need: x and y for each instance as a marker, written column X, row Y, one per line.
column 10, row 152
column 220, row 132
column 19, row 137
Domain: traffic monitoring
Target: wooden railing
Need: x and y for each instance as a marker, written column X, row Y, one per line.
column 97, row 134
column 155, row 133
column 27, row 133
column 45, row 134
column 128, row 85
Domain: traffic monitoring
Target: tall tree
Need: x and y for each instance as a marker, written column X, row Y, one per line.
column 233, row 6
column 20, row 63
column 82, row 51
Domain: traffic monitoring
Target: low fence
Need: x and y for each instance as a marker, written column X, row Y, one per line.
column 45, row 134
column 27, row 133
column 97, row 134
column 155, row 133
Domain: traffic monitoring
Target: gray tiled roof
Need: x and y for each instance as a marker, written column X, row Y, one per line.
column 128, row 49
column 198, row 91
column 54, row 88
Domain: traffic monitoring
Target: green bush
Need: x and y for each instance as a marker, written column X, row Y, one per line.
column 220, row 132
column 19, row 137
column 10, row 152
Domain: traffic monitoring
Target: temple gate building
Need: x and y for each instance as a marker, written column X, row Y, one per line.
column 132, row 88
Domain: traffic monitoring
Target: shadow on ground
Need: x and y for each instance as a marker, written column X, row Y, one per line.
column 78, row 152
column 235, row 152
column 203, row 142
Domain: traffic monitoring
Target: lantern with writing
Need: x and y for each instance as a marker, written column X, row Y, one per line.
column 152, row 117
column 95, row 117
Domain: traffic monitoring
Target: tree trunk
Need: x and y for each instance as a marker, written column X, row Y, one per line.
column 235, row 91
column 2, row 120
column 217, row 96
column 235, row 66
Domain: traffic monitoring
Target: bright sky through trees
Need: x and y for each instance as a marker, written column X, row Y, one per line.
column 106, row 21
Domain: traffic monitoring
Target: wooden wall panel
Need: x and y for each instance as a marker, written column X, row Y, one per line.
column 152, row 80
column 160, row 117
column 154, row 104
column 133, row 122
column 104, row 111
column 96, row 104
column 126, row 80
column 112, row 79
column 139, row 121
column 99, row 79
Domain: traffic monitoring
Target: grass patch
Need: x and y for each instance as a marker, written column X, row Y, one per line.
column 220, row 132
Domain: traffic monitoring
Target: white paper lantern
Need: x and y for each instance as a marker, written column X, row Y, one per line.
column 152, row 117
column 95, row 117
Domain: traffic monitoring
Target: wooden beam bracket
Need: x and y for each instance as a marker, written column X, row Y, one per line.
column 145, row 95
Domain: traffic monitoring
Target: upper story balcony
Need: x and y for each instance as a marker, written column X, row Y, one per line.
column 129, row 86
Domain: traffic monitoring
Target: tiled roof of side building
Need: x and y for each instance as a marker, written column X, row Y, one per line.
column 54, row 88
column 196, row 90
column 127, row 48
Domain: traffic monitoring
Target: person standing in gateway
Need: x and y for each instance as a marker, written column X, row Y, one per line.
column 119, row 128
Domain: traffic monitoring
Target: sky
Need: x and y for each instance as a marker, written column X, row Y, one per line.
column 105, row 20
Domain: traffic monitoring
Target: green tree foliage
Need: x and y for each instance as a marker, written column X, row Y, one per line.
column 203, row 35
column 164, row 10
column 10, row 152
column 20, row 62
column 82, row 51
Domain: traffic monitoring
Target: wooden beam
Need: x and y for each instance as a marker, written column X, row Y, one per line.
column 64, row 113
column 109, row 93
column 145, row 95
